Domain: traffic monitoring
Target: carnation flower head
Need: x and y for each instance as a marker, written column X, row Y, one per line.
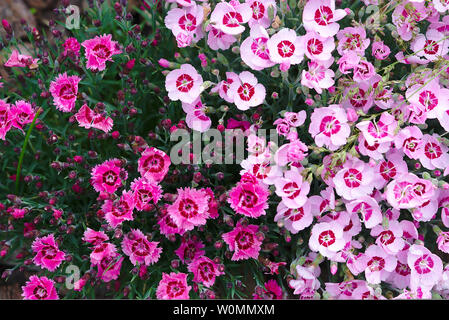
column 173, row 286
column 184, row 84
column 7, row 118
column 71, row 46
column 294, row 220
column 153, row 164
column 292, row 188
column 354, row 180
column 204, row 271
column 48, row 256
column 145, row 192
column 136, row 245
column 249, row 199
column 39, row 288
column 229, row 16
column 321, row 16
column 217, row 39
column 190, row 250
column 23, row 113
column 426, row 267
column 247, row 92
column 94, row 237
column 109, row 267
column 196, row 117
column 286, row 48
column 108, row 176
column 21, row 60
column 327, row 238
column 87, row 118
column 318, row 47
column 243, row 241
column 99, row 50
column 260, row 10
column 120, row 210
column 64, row 90
column 254, row 49
column 186, row 23
column 101, row 251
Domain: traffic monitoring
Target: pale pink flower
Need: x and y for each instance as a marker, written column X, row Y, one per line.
column 443, row 241
column 217, row 39
column 99, row 50
column 409, row 140
column 229, row 17
column 390, row 168
column 184, row 84
column 247, row 92
column 380, row 50
column 294, row 220
column 243, row 241
column 406, row 17
column 431, row 98
column 292, row 189
column 431, row 46
column 324, row 202
column 329, row 126
column 354, row 180
column 260, row 12
column 441, row 5
column 292, row 152
column 223, row 87
column 379, row 131
column 408, row 191
column 375, row 151
column 369, row 211
column 327, row 238
column 190, row 208
column 318, row 47
column 318, row 76
column 136, row 245
column 173, row 286
column 185, row 23
column 153, row 164
column 48, row 256
column 304, row 281
column 352, row 289
column 348, row 62
column 389, row 239
column 379, row 265
column 364, row 71
column 321, row 16
column 426, row 267
column 254, row 49
column 434, row 153
column 352, row 39
column 286, row 48
column 204, row 271
column 39, row 288
column 64, row 90
column 196, row 117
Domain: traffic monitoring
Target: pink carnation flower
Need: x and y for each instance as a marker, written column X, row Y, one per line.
column 184, row 84
column 217, row 39
column 321, row 16
column 318, row 76
column 286, row 48
column 243, row 241
column 204, row 271
column 39, row 288
column 434, row 153
column 249, row 199
column 380, row 264
column 408, row 191
column 223, row 87
column 173, row 286
column 196, row 117
column 21, row 60
column 136, row 245
column 327, row 238
column 254, row 49
column 6, row 118
column 186, row 22
column 145, row 192
column 108, row 176
column 354, row 180
column 87, row 118
column 389, row 239
column 153, row 164
column 48, row 255
column 99, row 50
column 369, row 210
column 190, row 208
column 379, row 131
column 94, row 237
column 229, row 16
column 329, row 126
column 190, row 250
column 380, row 50
column 294, row 220
column 443, row 241
column 292, row 189
column 64, row 90
column 23, row 113
column 260, row 12
column 431, row 46
column 318, row 47
column 101, row 251
column 71, row 46
column 431, row 99
column 167, row 225
column 109, row 267
column 352, row 39
column 247, row 92
column 120, row 210
column 426, row 267
column 409, row 140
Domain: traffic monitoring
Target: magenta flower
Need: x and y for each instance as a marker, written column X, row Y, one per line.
column 329, row 126
column 145, row 192
column 22, row 113
column 108, row 176
column 190, row 250
column 204, row 271
column 48, row 256
column 7, row 118
column 153, row 164
column 247, row 92
column 39, row 288
column 71, row 46
column 109, row 267
column 101, row 251
column 87, row 118
column 136, row 245
column 286, row 48
column 64, row 90
column 99, row 50
column 21, row 60
column 94, row 237
column 243, row 241
column 120, row 210
column 270, row 291
column 184, row 84
column 249, row 199
column 167, row 225
column 173, row 286
column 321, row 16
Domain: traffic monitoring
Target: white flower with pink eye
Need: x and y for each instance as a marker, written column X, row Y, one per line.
column 352, row 39
column 318, row 76
column 329, row 126
column 369, row 211
column 431, row 46
column 431, row 97
column 324, row 202
column 286, row 48
column 217, row 39
column 186, row 23
column 318, row 47
column 327, row 238
column 390, row 168
column 247, row 92
column 260, row 12
column 254, row 49
column 409, row 140
column 196, row 117
column 389, row 239
column 378, row 131
column 408, row 191
column 441, row 5
column 426, row 267
column 380, row 264
column 434, row 153
column 229, row 17
column 223, row 86
column 294, row 220
column 184, row 84
column 321, row 16
column 375, row 151
column 292, row 189
column 354, row 180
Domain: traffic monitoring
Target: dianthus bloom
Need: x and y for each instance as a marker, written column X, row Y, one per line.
column 327, row 238
column 229, row 17
column 426, row 267
column 196, row 117
column 204, row 271
column 109, row 267
column 145, row 192
column 22, row 113
column 87, row 118
column 408, row 191
column 190, row 250
column 286, row 48
column 185, row 23
column 246, row 91
column 184, row 84
column 249, row 198
column 39, row 288
column 190, row 208
column 64, row 90
column 254, row 50
column 120, row 210
column 243, row 241
column 354, row 180
column 153, row 164
column 48, row 255
column 270, row 291
column 173, row 286
column 136, row 245
column 108, row 176
column 329, row 126
column 71, row 46
column 21, row 60
column 6, row 118
column 99, row 50
column 94, row 237
column 321, row 16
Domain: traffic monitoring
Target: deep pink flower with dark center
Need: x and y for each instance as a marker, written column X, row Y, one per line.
column 120, row 210
column 64, row 90
column 71, row 46
column 6, row 118
column 39, row 288
column 101, row 251
column 153, row 164
column 249, row 199
column 167, row 225
column 99, row 50
column 243, row 241
column 270, row 291
column 173, row 286
column 21, row 60
column 108, row 176
column 23, row 113
column 94, row 237
column 87, row 118
column 136, row 245
column 109, row 267
column 48, row 255
column 190, row 250
column 145, row 192
column 204, row 271
column 190, row 208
